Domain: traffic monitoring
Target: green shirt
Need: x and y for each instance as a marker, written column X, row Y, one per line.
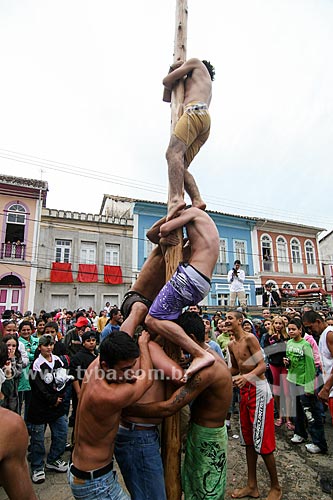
column 30, row 347
column 302, row 370
column 223, row 340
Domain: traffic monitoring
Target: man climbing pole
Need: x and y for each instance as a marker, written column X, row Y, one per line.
column 191, row 131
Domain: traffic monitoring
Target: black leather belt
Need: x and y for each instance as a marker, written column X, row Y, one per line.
column 137, row 427
column 92, row 474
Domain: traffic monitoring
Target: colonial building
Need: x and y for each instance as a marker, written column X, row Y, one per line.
column 282, row 253
column 326, row 252
column 85, row 260
column 21, row 202
column 53, row 258
column 288, row 254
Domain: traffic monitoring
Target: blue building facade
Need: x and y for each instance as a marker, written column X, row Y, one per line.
column 235, row 243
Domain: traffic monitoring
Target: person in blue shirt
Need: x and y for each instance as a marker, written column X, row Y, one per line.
column 113, row 324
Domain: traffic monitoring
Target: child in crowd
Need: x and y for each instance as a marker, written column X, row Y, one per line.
column 275, row 348
column 52, row 328
column 302, row 374
column 48, row 381
column 40, row 325
column 25, row 331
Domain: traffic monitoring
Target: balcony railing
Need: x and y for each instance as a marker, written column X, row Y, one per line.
column 267, row 265
column 15, row 251
column 312, row 268
column 297, row 267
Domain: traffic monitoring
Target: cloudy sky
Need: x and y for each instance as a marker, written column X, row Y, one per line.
column 81, row 101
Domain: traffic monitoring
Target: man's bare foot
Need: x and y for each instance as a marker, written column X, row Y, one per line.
column 199, row 203
column 245, row 492
column 174, row 207
column 197, row 364
column 274, row 494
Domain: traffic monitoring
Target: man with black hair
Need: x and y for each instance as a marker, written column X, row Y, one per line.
column 73, row 338
column 210, row 390
column 109, row 385
column 7, row 314
column 189, row 284
column 256, row 408
column 191, row 131
column 66, row 322
column 83, row 358
column 113, row 324
column 270, row 297
column 195, row 308
column 236, row 278
column 315, row 325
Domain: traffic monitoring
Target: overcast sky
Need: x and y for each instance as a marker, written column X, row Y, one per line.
column 81, row 103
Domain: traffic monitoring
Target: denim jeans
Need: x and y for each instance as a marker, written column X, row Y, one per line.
column 67, row 398
column 312, row 412
column 58, row 442
column 105, row 487
column 139, row 459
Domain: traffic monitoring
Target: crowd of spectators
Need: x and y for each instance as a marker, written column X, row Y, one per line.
column 290, row 347
column 49, row 353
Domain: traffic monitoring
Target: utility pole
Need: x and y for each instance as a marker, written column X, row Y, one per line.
column 171, row 445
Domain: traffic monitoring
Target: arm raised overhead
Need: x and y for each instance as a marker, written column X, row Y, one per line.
column 181, row 71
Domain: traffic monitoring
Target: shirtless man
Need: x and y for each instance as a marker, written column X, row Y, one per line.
column 210, row 390
column 189, row 285
column 137, row 445
column 14, row 473
column 191, row 131
column 256, row 407
column 109, row 386
column 13, row 449
column 137, row 301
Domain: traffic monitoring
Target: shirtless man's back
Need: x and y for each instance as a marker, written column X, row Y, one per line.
column 210, row 391
column 109, row 385
column 139, row 298
column 190, row 283
column 198, row 81
column 137, row 447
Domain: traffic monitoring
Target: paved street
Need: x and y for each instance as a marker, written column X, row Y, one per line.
column 298, row 470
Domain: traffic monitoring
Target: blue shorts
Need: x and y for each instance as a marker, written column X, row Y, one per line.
column 186, row 287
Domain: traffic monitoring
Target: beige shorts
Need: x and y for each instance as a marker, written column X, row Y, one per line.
column 193, row 128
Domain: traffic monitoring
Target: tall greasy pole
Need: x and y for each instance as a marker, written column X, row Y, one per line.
column 171, row 445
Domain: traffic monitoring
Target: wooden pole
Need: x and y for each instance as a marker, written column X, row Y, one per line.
column 171, row 445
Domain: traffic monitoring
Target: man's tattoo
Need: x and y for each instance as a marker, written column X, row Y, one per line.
column 190, row 386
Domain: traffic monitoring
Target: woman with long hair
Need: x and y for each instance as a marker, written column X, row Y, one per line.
column 25, row 331
column 275, row 350
column 14, row 356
